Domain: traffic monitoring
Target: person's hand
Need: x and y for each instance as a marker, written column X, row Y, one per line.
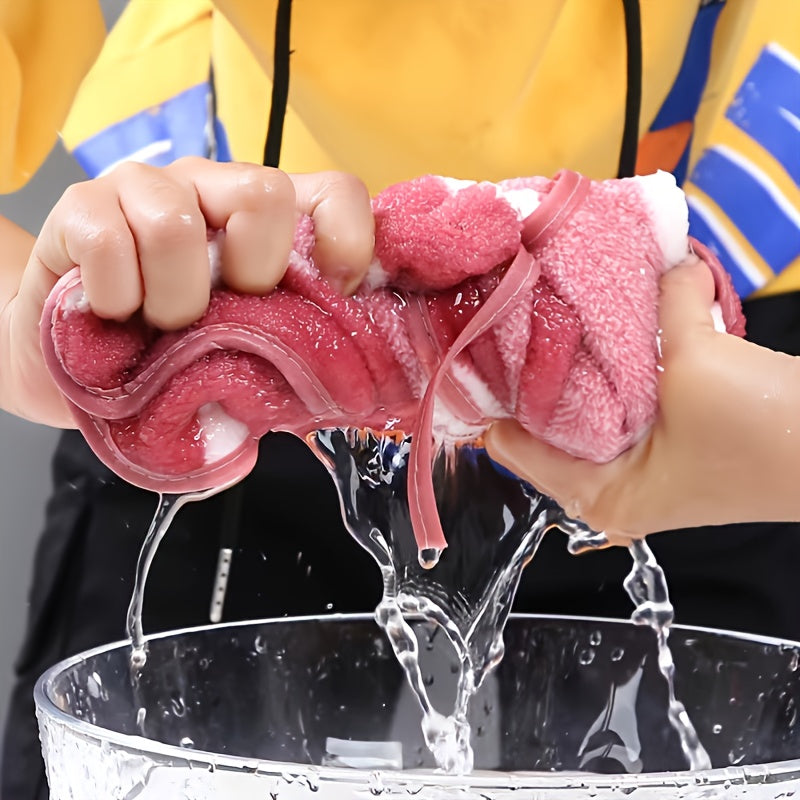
column 139, row 235
column 724, row 448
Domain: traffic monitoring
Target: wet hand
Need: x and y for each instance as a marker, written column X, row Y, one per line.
column 724, row 447
column 139, row 235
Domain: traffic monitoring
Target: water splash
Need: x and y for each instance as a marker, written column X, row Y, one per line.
column 466, row 590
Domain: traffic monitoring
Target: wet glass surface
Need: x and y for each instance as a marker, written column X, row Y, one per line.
column 272, row 697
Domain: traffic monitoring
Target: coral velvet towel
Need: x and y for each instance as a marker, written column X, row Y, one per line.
column 532, row 298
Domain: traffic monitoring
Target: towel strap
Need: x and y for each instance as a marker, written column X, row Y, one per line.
column 556, row 208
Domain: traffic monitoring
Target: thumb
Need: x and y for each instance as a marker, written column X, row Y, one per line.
column 572, row 482
column 686, row 301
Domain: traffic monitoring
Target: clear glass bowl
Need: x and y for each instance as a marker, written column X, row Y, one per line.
column 318, row 708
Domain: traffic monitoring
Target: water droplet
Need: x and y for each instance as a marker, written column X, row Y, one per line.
column 586, row 656
column 429, row 557
column 717, row 729
column 375, row 784
column 178, row 706
column 312, row 780
column 617, row 653
column 595, row 638
column 260, row 645
column 95, row 685
column 138, row 657
column 140, row 717
column 204, row 663
column 329, row 606
column 736, row 757
column 186, row 742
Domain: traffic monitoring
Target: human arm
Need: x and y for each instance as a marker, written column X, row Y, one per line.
column 724, row 448
column 139, row 235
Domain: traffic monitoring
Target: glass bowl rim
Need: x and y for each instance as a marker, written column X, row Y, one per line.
column 774, row 772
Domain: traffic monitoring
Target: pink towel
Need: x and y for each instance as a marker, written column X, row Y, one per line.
column 534, row 299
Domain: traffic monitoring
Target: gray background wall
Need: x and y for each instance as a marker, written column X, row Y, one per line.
column 25, row 449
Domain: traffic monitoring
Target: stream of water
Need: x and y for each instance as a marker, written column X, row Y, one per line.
column 469, row 592
column 168, row 506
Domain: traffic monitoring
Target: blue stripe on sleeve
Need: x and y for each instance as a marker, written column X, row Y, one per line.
column 156, row 135
column 755, row 207
column 767, row 108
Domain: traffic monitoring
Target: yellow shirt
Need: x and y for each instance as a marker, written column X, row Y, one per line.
column 481, row 89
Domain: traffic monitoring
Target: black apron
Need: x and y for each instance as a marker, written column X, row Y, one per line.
column 293, row 556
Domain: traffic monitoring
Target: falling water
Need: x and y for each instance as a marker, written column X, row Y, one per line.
column 469, row 593
column 646, row 585
column 168, row 507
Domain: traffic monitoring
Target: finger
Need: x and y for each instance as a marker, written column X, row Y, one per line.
column 87, row 228
column 344, row 227
column 169, row 230
column 255, row 206
column 686, row 299
column 573, row 483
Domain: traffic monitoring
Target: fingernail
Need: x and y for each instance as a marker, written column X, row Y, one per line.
column 351, row 285
column 337, row 283
column 344, row 283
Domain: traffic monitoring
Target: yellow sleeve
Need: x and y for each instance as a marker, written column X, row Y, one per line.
column 46, row 47
column 155, row 51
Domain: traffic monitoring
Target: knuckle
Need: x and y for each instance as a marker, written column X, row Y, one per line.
column 186, row 164
column 76, row 195
column 262, row 187
column 168, row 217
column 129, row 171
column 349, row 185
column 78, row 205
column 342, row 188
column 99, row 241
